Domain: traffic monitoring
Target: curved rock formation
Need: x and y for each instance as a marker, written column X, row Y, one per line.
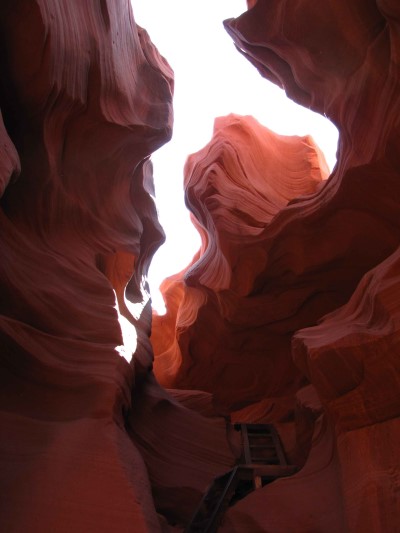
column 352, row 360
column 288, row 314
column 249, row 297
column 235, row 186
column 85, row 98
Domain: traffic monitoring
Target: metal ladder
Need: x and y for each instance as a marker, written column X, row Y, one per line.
column 262, row 446
column 263, row 461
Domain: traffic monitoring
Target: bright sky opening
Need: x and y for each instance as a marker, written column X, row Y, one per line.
column 211, row 79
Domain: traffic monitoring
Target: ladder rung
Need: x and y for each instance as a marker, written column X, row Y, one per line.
column 263, row 460
column 269, row 446
column 273, row 470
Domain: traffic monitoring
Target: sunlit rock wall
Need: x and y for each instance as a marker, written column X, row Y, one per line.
column 317, row 297
column 235, row 187
column 288, row 313
column 85, row 98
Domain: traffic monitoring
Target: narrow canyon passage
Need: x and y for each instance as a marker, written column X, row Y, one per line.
column 279, row 345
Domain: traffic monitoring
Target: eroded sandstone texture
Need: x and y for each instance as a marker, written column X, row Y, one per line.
column 234, row 187
column 290, row 314
column 89, row 441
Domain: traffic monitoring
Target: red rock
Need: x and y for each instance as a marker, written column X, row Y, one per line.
column 351, row 359
column 9, row 160
column 85, row 99
column 311, row 500
column 288, row 314
column 247, row 295
column 235, row 186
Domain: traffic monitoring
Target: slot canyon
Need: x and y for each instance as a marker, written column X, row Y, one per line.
column 117, row 419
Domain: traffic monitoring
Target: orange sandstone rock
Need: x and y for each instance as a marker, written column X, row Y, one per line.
column 235, row 186
column 288, row 314
column 85, row 99
column 259, row 282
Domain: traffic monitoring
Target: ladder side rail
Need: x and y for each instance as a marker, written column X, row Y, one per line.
column 223, row 502
column 278, row 447
column 246, row 444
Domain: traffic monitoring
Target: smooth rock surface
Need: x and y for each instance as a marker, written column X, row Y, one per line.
column 289, row 313
column 309, row 296
column 85, row 98
column 235, row 187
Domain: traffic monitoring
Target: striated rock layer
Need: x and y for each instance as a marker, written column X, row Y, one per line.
column 85, row 98
column 288, row 313
column 309, row 295
column 234, row 187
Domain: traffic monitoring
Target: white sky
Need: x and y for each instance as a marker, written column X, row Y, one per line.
column 211, row 79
